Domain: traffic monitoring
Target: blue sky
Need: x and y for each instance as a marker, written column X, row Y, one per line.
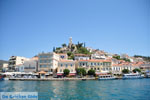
column 28, row 27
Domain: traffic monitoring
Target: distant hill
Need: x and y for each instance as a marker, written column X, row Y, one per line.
column 1, row 63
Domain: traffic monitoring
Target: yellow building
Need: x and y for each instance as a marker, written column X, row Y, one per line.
column 66, row 64
column 100, row 66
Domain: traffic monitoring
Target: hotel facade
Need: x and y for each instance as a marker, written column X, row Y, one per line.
column 48, row 62
column 100, row 66
column 66, row 64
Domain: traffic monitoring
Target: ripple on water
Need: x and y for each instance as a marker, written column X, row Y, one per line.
column 82, row 90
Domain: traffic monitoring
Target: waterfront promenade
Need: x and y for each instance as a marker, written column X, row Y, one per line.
column 51, row 79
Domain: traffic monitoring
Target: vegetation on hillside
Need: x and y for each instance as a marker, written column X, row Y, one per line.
column 118, row 58
column 146, row 58
column 75, row 49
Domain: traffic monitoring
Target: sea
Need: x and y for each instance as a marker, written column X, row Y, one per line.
column 130, row 89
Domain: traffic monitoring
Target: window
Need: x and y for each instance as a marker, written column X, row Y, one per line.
column 94, row 68
column 61, row 65
column 80, row 64
column 91, row 64
column 97, row 68
column 71, row 65
column 41, row 56
column 62, row 57
column 66, row 65
column 60, row 70
column 106, row 68
column 95, row 64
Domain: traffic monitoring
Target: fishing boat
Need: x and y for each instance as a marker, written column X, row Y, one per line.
column 1, row 78
column 132, row 76
column 147, row 75
column 106, row 77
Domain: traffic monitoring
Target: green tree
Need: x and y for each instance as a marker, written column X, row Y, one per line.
column 58, row 48
column 64, row 45
column 127, row 60
column 116, row 57
column 136, row 70
column 81, row 71
column 83, row 50
column 125, row 71
column 69, row 53
column 54, row 49
column 91, row 72
column 66, row 72
column 79, row 45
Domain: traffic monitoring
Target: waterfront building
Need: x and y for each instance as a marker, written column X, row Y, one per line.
column 100, row 66
column 48, row 62
column 66, row 64
column 14, row 61
column 81, row 57
column 116, row 69
column 5, row 67
column 126, row 65
column 28, row 66
column 145, row 67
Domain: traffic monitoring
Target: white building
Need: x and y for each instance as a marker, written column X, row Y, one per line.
column 28, row 66
column 81, row 57
column 16, row 60
column 116, row 69
column 5, row 67
column 48, row 62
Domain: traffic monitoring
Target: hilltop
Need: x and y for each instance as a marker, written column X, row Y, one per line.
column 72, row 49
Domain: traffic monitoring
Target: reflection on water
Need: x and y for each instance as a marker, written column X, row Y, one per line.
column 138, row 89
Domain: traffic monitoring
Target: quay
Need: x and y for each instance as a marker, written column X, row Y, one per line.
column 50, row 79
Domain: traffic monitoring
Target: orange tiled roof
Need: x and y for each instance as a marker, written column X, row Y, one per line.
column 61, row 53
column 94, row 60
column 81, row 55
column 66, row 61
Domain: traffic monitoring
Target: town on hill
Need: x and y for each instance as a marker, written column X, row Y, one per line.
column 72, row 60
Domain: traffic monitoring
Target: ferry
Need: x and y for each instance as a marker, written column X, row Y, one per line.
column 132, row 76
column 106, row 77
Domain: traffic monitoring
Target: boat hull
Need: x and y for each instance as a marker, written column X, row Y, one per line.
column 106, row 78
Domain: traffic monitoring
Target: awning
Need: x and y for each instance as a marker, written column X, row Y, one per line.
column 101, row 73
column 72, row 74
column 42, row 72
column 59, row 74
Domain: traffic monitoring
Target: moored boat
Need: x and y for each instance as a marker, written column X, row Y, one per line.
column 106, row 77
column 132, row 76
column 1, row 78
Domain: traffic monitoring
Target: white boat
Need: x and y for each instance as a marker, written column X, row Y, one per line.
column 106, row 77
column 132, row 76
